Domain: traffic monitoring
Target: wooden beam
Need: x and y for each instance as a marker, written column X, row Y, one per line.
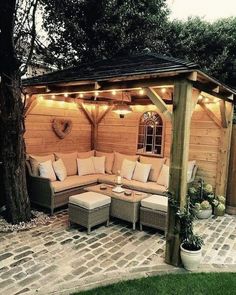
column 223, row 113
column 104, row 113
column 211, row 114
column 86, row 112
column 224, row 153
column 206, row 90
column 31, row 104
column 182, row 112
column 192, row 76
column 157, row 101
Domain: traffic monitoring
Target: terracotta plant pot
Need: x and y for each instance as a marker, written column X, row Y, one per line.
column 204, row 214
column 190, row 259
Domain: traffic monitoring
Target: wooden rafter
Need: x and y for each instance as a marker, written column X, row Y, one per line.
column 86, row 112
column 210, row 114
column 104, row 113
column 31, row 104
column 156, row 99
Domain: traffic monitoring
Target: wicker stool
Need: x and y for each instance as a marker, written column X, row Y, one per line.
column 153, row 212
column 89, row 209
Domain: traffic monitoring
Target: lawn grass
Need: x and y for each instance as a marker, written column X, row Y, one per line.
column 184, row 284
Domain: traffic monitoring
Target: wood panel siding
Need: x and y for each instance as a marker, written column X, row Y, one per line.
column 39, row 136
column 115, row 134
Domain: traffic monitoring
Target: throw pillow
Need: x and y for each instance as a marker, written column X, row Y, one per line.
column 46, row 170
column 60, row 169
column 157, row 164
column 119, row 160
column 85, row 166
column 99, row 164
column 163, row 178
column 141, row 172
column 127, row 169
column 108, row 162
column 35, row 160
column 69, row 160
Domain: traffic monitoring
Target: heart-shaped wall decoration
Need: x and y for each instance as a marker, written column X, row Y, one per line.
column 61, row 127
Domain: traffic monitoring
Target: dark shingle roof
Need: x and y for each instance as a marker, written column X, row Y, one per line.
column 145, row 63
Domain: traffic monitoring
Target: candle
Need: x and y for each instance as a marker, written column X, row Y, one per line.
column 118, row 179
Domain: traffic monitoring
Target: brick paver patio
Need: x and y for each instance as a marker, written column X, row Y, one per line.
column 55, row 259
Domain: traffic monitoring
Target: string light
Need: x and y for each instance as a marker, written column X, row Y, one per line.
column 163, row 90
column 53, row 96
column 81, row 95
column 96, row 93
column 141, row 92
column 65, row 94
column 113, row 92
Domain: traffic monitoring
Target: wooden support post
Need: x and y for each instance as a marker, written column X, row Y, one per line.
column 182, row 112
column 224, row 150
column 30, row 105
column 156, row 99
column 231, row 188
column 223, row 113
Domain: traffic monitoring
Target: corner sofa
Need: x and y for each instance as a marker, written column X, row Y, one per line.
column 54, row 194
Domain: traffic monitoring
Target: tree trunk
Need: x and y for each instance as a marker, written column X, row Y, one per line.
column 12, row 149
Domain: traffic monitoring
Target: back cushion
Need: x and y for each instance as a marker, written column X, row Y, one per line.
column 86, row 155
column 69, row 160
column 35, row 160
column 119, row 160
column 108, row 162
column 157, row 164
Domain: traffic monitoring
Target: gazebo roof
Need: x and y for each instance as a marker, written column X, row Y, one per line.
column 144, row 63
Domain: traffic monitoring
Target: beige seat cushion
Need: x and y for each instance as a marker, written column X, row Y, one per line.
column 147, row 187
column 35, row 160
column 157, row 164
column 74, row 181
column 69, row 160
column 119, row 160
column 155, row 202
column 107, row 178
column 90, row 200
column 85, row 155
column 108, row 162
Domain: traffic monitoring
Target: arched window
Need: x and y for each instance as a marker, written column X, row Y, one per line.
column 150, row 137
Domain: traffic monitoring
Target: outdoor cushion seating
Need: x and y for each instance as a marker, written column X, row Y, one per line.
column 153, row 212
column 53, row 194
column 89, row 209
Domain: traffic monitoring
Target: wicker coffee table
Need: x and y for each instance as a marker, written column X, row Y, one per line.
column 122, row 206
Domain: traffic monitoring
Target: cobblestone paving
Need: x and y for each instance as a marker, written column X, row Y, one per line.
column 53, row 257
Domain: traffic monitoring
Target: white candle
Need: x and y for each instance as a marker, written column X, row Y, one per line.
column 118, row 179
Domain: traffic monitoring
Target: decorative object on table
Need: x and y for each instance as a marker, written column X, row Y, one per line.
column 219, row 210
column 118, row 188
column 203, row 198
column 103, row 187
column 61, row 127
column 128, row 192
column 191, row 244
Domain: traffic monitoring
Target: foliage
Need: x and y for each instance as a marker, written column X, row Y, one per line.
column 88, row 29
column 211, row 45
column 202, row 196
column 186, row 216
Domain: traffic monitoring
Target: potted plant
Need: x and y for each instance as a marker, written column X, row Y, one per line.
column 191, row 244
column 203, row 199
column 220, row 206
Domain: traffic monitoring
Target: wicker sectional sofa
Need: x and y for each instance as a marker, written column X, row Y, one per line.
column 54, row 194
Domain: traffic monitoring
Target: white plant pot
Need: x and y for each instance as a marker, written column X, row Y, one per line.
column 190, row 259
column 204, row 214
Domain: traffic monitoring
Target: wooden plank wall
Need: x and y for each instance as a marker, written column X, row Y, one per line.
column 115, row 134
column 39, row 136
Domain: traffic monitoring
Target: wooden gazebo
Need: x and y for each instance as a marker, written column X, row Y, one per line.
column 196, row 109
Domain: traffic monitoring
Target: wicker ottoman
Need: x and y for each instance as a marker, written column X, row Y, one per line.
column 153, row 212
column 89, row 209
